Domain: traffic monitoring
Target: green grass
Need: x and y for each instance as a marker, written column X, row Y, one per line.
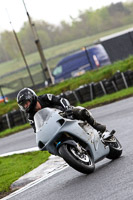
column 8, row 107
column 15, row 166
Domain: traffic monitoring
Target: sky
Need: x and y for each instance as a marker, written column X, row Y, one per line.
column 51, row 11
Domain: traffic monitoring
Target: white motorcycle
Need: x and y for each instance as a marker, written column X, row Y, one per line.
column 80, row 145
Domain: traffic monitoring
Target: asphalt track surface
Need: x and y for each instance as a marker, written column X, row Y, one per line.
column 112, row 180
column 18, row 141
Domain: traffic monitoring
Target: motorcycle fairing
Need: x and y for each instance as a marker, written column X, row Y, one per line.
column 50, row 130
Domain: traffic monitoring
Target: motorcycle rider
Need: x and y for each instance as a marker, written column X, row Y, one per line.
column 30, row 103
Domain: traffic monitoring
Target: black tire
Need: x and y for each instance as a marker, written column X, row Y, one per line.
column 115, row 149
column 70, row 154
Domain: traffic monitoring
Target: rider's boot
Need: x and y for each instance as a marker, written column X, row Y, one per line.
column 107, row 135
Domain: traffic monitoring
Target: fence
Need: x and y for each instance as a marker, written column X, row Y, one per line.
column 84, row 93
column 12, row 82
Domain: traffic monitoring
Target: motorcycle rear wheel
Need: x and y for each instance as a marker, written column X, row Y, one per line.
column 115, row 149
column 79, row 160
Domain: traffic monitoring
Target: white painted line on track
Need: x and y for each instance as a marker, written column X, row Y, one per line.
column 20, row 151
column 30, row 185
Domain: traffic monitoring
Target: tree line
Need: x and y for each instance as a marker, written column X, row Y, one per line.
column 88, row 23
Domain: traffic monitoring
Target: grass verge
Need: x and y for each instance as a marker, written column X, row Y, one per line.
column 15, row 166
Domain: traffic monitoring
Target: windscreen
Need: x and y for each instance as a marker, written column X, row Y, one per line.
column 40, row 117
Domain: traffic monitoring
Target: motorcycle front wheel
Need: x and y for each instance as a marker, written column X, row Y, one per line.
column 78, row 159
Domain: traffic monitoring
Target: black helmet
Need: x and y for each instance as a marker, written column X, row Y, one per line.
column 25, row 95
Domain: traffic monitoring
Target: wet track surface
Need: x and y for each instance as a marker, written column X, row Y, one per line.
column 18, row 141
column 112, row 180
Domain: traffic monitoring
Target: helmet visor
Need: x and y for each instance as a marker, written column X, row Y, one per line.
column 25, row 105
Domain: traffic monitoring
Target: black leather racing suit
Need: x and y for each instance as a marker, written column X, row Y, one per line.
column 52, row 101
